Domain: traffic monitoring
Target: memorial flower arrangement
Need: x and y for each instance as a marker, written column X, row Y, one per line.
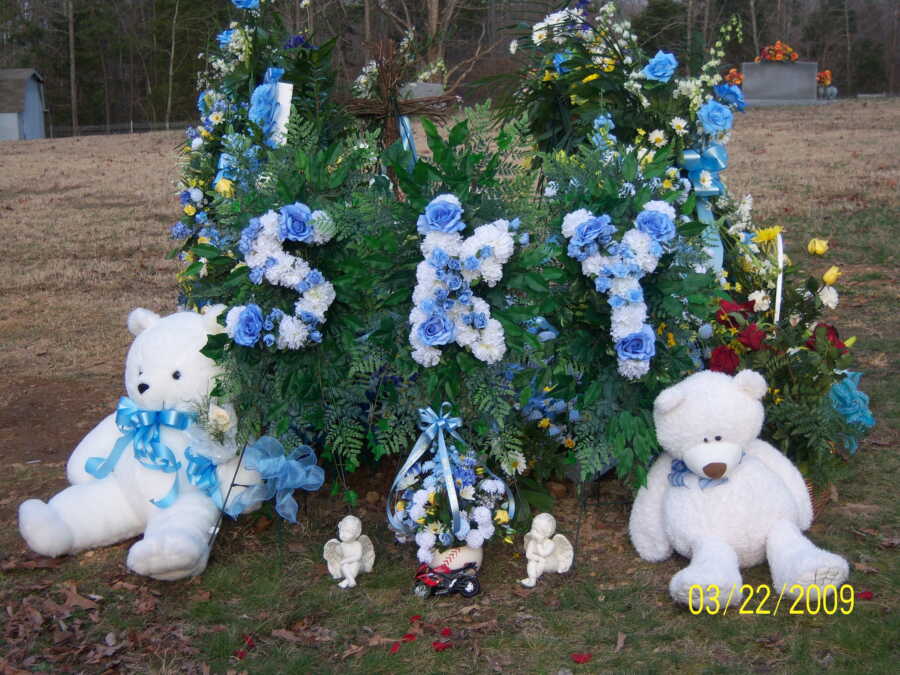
column 780, row 52
column 823, row 78
column 734, row 76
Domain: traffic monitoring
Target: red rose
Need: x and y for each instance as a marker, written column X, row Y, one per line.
column 752, row 337
column 727, row 307
column 724, row 360
column 831, row 335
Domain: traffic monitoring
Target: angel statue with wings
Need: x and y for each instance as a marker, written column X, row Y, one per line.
column 350, row 554
column 544, row 551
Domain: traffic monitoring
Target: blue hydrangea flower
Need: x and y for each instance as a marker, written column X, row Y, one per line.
column 293, row 222
column 657, row 224
column 661, row 67
column 730, row 94
column 249, row 235
column 715, row 117
column 603, row 126
column 249, row 326
column 180, row 231
column 224, row 38
column 640, row 346
column 437, row 330
column 246, row 4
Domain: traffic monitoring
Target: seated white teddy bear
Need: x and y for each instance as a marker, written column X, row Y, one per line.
column 149, row 467
column 724, row 498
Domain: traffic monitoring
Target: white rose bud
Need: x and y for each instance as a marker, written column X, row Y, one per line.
column 220, row 420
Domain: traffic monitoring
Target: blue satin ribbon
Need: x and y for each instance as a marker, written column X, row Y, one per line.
column 713, row 159
column 680, row 470
column 282, row 474
column 140, row 428
column 434, row 426
column 201, row 473
column 408, row 139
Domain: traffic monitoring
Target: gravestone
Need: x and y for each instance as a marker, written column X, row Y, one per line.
column 780, row 83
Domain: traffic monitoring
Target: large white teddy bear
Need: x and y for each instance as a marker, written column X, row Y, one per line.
column 722, row 497
column 149, row 467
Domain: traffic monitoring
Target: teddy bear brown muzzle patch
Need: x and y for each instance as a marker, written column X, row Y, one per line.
column 715, row 469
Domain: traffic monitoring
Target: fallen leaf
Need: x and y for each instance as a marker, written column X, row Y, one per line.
column 890, row 542
column 620, row 643
column 863, row 567
column 771, row 641
column 37, row 564
column 73, row 599
column 201, row 596
column 262, row 523
column 352, row 650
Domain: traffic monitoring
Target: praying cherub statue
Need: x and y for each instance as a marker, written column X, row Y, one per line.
column 350, row 554
column 544, row 551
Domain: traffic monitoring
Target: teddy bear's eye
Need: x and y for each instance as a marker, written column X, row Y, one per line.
column 140, row 371
column 176, row 375
column 706, row 440
column 718, row 438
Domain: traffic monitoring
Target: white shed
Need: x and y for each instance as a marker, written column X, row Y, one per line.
column 21, row 104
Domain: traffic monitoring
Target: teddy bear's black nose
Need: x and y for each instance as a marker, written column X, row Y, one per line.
column 714, row 469
column 142, row 387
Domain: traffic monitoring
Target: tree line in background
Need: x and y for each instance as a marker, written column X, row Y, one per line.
column 112, row 62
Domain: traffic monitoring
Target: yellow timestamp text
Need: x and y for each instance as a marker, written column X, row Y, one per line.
column 761, row 599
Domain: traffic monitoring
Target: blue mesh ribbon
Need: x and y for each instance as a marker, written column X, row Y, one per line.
column 140, row 428
column 201, row 473
column 713, row 160
column 282, row 474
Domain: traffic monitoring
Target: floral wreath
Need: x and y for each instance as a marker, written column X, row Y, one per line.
column 445, row 308
column 618, row 270
column 262, row 245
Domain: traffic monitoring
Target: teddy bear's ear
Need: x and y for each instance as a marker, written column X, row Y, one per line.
column 211, row 315
column 140, row 320
column 752, row 383
column 668, row 399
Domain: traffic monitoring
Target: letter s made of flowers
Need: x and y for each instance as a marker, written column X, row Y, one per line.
column 262, row 245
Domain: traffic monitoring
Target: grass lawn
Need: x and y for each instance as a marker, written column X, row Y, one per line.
column 84, row 224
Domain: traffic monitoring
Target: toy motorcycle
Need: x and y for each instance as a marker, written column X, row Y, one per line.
column 441, row 580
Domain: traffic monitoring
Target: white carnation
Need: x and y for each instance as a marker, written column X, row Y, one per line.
column 632, row 369
column 231, row 319
column 627, row 319
column 292, row 333
column 661, row 207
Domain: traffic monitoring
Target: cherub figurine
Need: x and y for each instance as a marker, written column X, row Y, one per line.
column 545, row 552
column 351, row 555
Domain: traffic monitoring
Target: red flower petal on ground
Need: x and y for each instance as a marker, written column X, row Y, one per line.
column 248, row 640
column 415, row 617
column 440, row 645
column 751, row 336
column 582, row 657
column 446, row 632
column 395, row 648
column 240, row 654
column 724, row 360
column 864, row 595
column 409, row 637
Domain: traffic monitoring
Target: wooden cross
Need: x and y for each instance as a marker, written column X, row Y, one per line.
column 387, row 107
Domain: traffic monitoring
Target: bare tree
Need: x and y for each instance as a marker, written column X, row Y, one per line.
column 73, row 85
column 171, row 65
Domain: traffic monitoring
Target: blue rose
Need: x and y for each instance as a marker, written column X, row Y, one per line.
column 715, row 117
column 439, row 258
column 293, row 223
column 249, row 326
column 640, row 346
column 443, row 214
column 852, row 404
column 437, row 329
column 730, row 94
column 559, row 60
column 661, row 67
column 224, row 38
column 599, row 229
column 657, row 224
column 245, row 4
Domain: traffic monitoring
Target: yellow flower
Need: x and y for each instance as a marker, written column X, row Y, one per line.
column 225, row 187
column 190, row 209
column 549, row 388
column 432, row 496
column 667, row 183
column 641, row 132
column 508, row 539
column 569, row 442
column 817, row 246
column 767, row 234
column 670, row 340
column 202, row 240
column 577, row 100
column 401, row 506
column 479, row 470
column 501, row 516
column 550, row 75
column 850, row 341
column 544, row 423
column 831, row 276
column 660, row 328
column 591, row 77
column 204, row 133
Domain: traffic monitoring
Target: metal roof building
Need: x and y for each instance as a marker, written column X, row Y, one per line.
column 21, row 104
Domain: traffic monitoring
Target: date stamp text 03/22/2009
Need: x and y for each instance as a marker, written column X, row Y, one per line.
column 762, row 599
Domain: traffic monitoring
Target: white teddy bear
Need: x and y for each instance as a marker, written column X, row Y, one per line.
column 724, row 498
column 149, row 467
